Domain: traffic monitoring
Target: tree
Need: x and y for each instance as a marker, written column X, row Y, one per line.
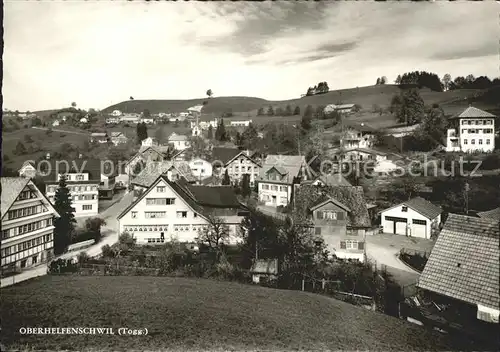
column 378, row 81
column 131, row 98
column 239, row 140
column 306, row 122
column 270, row 111
column 198, row 146
column 214, row 235
column 260, row 112
column 36, row 122
column 412, row 109
column 296, row 111
column 226, row 181
column 279, row 111
column 434, row 126
column 126, row 243
column 245, row 185
column 398, row 80
column 93, row 227
column 383, row 80
column 20, row 149
column 210, row 135
column 73, row 105
column 446, row 81
column 288, row 110
column 220, row 132
column 64, row 225
column 142, row 131
column 138, row 167
column 250, row 137
column 146, row 113
column 209, row 93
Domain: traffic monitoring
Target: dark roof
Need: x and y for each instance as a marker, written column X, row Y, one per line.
column 352, row 197
column 51, row 168
column 464, row 261
column 206, row 200
column 421, row 206
column 490, row 214
column 327, row 199
column 472, row 112
column 224, row 154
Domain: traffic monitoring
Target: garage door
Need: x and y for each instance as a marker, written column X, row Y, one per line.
column 398, row 225
column 419, row 228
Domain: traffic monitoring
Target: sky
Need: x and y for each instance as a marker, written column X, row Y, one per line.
column 99, row 53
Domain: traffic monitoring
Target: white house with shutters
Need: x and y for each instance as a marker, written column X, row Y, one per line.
column 416, row 217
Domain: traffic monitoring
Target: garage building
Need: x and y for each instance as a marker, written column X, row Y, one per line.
column 416, row 217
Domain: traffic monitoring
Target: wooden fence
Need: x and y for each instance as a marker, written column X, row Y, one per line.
column 80, row 245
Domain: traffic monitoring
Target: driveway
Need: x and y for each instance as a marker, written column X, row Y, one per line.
column 110, row 237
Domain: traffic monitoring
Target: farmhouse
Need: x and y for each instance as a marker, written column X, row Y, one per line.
column 179, row 141
column 27, row 229
column 116, row 113
column 357, row 135
column 179, row 210
column 147, row 154
column 55, row 123
column 130, row 118
column 416, row 217
column 147, row 120
column 340, row 218
column 172, row 170
column 264, row 269
column 118, row 138
column 99, row 137
column 240, row 123
column 149, row 142
column 474, row 131
column 278, row 177
column 236, row 162
column 28, row 169
column 463, row 267
column 342, row 108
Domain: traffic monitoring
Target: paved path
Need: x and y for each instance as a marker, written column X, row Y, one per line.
column 110, row 237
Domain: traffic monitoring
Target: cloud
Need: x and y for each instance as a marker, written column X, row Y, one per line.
column 100, row 53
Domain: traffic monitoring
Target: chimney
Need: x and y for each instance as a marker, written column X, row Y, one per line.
column 47, row 156
column 80, row 156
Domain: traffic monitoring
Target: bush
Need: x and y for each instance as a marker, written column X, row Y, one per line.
column 416, row 261
column 491, row 162
column 62, row 266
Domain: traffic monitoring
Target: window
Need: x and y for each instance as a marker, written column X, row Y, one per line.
column 480, row 141
column 274, row 188
column 404, row 209
column 472, row 141
column 182, row 214
column 155, row 214
column 317, row 230
column 87, row 207
column 487, row 141
column 5, row 234
column 351, row 244
column 266, row 187
column 283, row 189
column 134, row 215
column 283, row 200
column 419, row 222
column 79, row 177
column 34, row 259
column 465, row 141
column 160, row 201
column 160, row 189
column 23, row 263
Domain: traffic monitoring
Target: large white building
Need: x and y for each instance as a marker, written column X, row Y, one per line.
column 176, row 209
column 85, row 181
column 27, row 228
column 474, row 131
column 356, row 135
column 278, row 177
column 179, row 141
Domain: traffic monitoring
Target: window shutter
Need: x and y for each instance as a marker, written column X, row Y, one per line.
column 361, row 245
column 340, row 215
column 317, row 230
column 342, row 245
column 319, row 214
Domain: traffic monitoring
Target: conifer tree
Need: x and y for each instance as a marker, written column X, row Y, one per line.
column 65, row 223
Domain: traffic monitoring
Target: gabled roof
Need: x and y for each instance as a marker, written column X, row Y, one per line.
column 204, row 200
column 464, row 261
column 154, row 169
column 490, row 214
column 421, row 206
column 471, row 112
column 326, row 200
column 353, row 197
column 225, row 155
column 28, row 163
column 11, row 187
column 90, row 166
column 291, row 163
column 281, row 170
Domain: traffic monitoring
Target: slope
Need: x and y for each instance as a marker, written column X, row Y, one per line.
column 198, row 314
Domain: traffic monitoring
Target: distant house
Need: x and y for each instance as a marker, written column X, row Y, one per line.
column 236, row 162
column 360, row 154
column 385, row 167
column 474, row 131
column 266, row 269
column 463, row 267
column 240, row 123
column 200, row 168
column 205, row 124
column 279, row 176
column 147, row 120
column 147, row 154
column 416, row 217
column 399, row 132
column 99, row 137
column 342, row 108
column 357, row 135
column 118, row 138
column 177, row 210
column 149, row 142
column 130, row 118
column 340, row 218
column 28, row 169
column 179, row 141
column 113, row 120
column 116, row 113
column 177, row 118
column 493, row 214
column 84, row 120
column 55, row 123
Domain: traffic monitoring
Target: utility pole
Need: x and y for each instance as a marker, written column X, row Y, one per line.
column 467, row 188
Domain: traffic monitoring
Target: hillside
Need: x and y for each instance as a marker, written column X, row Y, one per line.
column 365, row 96
column 197, row 314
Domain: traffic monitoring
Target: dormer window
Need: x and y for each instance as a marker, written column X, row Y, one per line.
column 404, row 209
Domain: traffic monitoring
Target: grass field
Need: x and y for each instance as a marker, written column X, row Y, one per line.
column 364, row 96
column 197, row 314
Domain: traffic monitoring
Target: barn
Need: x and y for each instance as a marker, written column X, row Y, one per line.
column 416, row 217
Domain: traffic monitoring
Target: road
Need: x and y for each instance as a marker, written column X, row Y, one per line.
column 110, row 234
column 62, row 131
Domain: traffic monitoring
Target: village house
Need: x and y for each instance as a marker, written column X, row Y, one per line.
column 84, row 120
column 463, row 268
column 340, row 219
column 493, row 214
column 99, row 137
column 149, row 142
column 279, row 176
column 113, row 120
column 264, row 270
column 27, row 225
column 132, row 118
column 236, row 162
column 179, row 141
column 341, row 108
column 473, row 131
column 328, row 179
column 28, row 169
column 200, row 168
column 147, row 120
column 55, row 123
column 416, row 217
column 85, row 181
column 357, row 135
column 204, row 124
column 240, row 123
column 116, row 113
column 118, row 138
column 168, row 210
column 147, row 154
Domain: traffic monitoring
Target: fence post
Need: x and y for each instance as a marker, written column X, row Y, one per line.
column 302, row 283
column 323, row 284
